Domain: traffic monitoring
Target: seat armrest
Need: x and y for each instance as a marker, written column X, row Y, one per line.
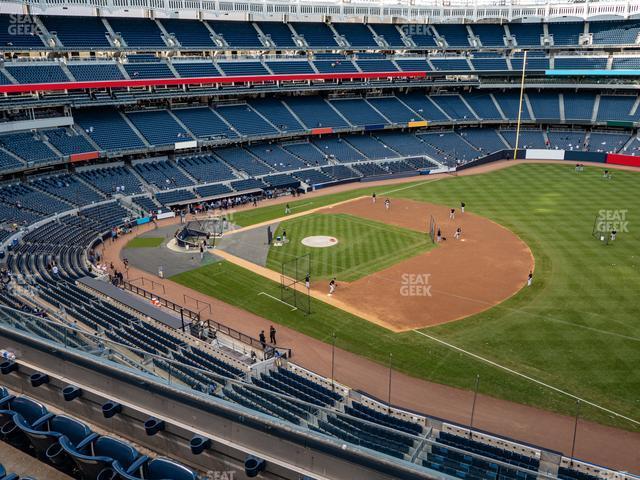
column 5, row 400
column 42, row 420
column 87, row 441
column 139, row 462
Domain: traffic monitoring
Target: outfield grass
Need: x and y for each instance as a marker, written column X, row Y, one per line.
column 576, row 328
column 364, row 246
column 145, row 242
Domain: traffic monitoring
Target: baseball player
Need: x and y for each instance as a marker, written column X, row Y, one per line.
column 452, row 214
column 307, row 281
column 530, row 279
column 462, row 205
column 332, row 286
column 387, row 204
column 373, row 197
column 458, row 233
column 439, row 236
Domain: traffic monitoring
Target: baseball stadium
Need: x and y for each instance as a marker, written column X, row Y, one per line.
column 318, row 240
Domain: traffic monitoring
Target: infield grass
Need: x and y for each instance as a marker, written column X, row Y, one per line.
column 577, row 328
column 364, row 246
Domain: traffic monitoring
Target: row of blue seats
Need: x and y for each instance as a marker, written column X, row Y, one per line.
column 38, row 72
column 70, row 445
column 92, row 32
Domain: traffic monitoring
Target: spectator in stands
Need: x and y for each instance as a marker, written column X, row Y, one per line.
column 272, row 335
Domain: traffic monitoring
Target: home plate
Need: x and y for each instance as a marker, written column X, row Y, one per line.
column 320, row 241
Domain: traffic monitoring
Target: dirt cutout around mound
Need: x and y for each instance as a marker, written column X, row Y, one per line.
column 459, row 278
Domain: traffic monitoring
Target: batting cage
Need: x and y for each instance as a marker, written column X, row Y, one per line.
column 293, row 287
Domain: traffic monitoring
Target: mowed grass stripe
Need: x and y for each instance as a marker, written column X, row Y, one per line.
column 364, row 246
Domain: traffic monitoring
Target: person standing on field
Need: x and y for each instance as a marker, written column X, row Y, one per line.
column 332, row 286
column 373, row 197
column 462, row 205
column 530, row 279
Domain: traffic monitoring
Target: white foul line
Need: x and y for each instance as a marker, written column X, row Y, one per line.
column 502, row 367
column 278, row 300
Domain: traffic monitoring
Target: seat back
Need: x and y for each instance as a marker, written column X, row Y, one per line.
column 163, row 468
column 73, row 429
column 124, row 453
column 28, row 408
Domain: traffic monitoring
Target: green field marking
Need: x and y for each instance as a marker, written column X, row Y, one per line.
column 364, row 246
column 576, row 328
column 145, row 242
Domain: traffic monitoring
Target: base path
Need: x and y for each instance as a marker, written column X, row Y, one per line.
column 459, row 278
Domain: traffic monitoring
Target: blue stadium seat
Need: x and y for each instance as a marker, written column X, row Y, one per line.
column 89, row 32
column 99, row 455
column 156, row 469
column 190, row 33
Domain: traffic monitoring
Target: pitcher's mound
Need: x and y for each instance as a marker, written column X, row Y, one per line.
column 320, row 241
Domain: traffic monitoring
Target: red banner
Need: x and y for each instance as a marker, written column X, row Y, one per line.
column 83, row 157
column 629, row 160
column 321, row 131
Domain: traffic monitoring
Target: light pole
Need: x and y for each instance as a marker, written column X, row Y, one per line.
column 524, row 69
column 473, row 406
column 575, row 430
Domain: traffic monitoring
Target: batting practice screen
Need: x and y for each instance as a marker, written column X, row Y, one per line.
column 293, row 289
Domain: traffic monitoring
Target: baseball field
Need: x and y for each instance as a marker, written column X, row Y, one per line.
column 573, row 334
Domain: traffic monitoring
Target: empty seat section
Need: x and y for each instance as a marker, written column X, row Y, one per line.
column 403, row 143
column 390, row 34
column 317, row 35
column 290, row 67
column 565, row 33
column 108, row 129
column 276, row 157
column 486, row 140
column 29, row 146
column 308, row 152
column 413, row 65
column 393, row 109
column 190, row 33
column 163, row 174
column 27, row 38
column 510, row 104
column 68, row 142
column 245, row 120
column 196, row 69
column 566, row 140
column 455, row 35
column 241, row 159
column 242, row 68
column 617, row 107
column 453, row 106
column 490, row 34
column 581, row 62
column 37, row 73
column 370, row 147
column 279, row 33
column 138, row 32
column 527, row 139
column 276, row 112
column 338, row 149
column 158, row 127
column 69, row 188
column 340, row 65
column 527, row 34
column 424, row 107
column 376, row 65
column 615, row 32
column 90, row 71
column 357, row 34
column 204, row 123
column 545, row 106
column 237, row 34
column 110, row 179
column 578, row 106
column 490, row 63
column 314, row 112
column 358, row 112
column 606, row 141
column 85, row 32
column 147, row 70
column 484, row 106
column 450, row 64
column 206, row 168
